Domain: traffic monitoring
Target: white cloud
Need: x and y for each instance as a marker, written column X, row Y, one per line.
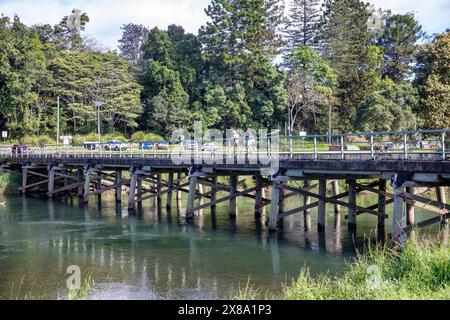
column 434, row 15
column 107, row 16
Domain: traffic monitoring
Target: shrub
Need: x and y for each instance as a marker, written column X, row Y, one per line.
column 142, row 136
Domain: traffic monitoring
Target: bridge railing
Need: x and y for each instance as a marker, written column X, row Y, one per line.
column 403, row 145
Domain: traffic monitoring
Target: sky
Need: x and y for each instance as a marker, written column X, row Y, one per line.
column 107, row 16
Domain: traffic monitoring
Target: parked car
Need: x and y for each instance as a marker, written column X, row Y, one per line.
column 390, row 146
column 352, row 148
column 337, row 147
column 21, row 149
column 116, row 145
column 191, row 145
column 145, row 145
column 210, row 146
column 91, row 145
column 162, row 146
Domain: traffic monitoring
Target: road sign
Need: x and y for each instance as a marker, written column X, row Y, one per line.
column 4, row 134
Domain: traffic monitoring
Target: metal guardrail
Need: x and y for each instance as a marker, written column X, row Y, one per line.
column 399, row 145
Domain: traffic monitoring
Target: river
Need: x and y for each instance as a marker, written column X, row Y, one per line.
column 151, row 257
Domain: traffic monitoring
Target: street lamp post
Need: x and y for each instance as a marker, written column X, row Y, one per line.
column 98, row 104
column 57, row 122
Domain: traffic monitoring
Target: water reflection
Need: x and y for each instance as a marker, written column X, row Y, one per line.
column 151, row 255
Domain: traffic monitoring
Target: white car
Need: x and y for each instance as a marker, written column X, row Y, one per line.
column 116, row 145
column 210, row 146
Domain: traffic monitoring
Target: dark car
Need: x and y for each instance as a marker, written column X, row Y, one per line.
column 21, row 149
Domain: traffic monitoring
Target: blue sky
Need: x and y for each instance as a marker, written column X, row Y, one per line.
column 107, row 16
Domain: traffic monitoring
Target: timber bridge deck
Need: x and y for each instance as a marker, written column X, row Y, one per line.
column 63, row 170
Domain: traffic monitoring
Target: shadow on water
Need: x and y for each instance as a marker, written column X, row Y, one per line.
column 150, row 255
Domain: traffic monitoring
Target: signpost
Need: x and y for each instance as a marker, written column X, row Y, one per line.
column 4, row 135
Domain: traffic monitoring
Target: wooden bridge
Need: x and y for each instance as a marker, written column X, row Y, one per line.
column 311, row 173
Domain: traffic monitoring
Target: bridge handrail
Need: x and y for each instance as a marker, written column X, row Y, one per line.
column 308, row 144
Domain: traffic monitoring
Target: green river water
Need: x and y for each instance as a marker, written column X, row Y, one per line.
column 151, row 257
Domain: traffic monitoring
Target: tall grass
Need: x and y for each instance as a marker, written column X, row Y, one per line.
column 83, row 292
column 420, row 271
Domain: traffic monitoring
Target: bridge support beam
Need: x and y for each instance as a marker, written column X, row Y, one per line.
column 118, row 184
column 178, row 194
column 410, row 212
column 24, row 179
column 441, row 197
column 322, row 206
column 51, row 182
column 132, row 195
column 306, row 202
column 169, row 194
column 258, row 196
column 352, row 212
column 98, row 187
column 87, row 185
column 191, row 197
column 80, row 176
column 398, row 223
column 337, row 207
column 274, row 210
column 214, row 195
column 233, row 191
column 381, row 202
column 159, row 196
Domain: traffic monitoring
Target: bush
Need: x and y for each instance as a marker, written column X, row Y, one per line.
column 142, row 136
column 36, row 140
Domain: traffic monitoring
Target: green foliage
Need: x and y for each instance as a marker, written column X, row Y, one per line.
column 420, row 271
column 310, row 85
column 23, row 77
column 10, row 183
column 433, row 79
column 390, row 109
column 81, row 78
column 399, row 42
column 142, row 136
column 303, row 20
column 346, row 45
column 336, row 74
column 240, row 41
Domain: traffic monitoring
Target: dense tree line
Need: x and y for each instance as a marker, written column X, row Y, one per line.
column 332, row 66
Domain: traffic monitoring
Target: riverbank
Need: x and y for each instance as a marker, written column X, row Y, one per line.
column 419, row 272
column 10, row 183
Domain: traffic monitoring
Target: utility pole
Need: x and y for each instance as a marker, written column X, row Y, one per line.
column 57, row 123
column 98, row 104
column 98, row 125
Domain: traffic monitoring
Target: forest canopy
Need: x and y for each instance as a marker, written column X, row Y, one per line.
column 322, row 67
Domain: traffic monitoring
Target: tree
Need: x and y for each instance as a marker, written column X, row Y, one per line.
column 240, row 41
column 171, row 70
column 390, row 109
column 132, row 42
column 303, row 21
column 23, row 80
column 310, row 83
column 67, row 34
column 399, row 42
column 346, row 45
column 433, row 79
column 84, row 77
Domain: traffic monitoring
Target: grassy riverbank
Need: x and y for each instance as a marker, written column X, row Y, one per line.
column 421, row 271
column 10, row 183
